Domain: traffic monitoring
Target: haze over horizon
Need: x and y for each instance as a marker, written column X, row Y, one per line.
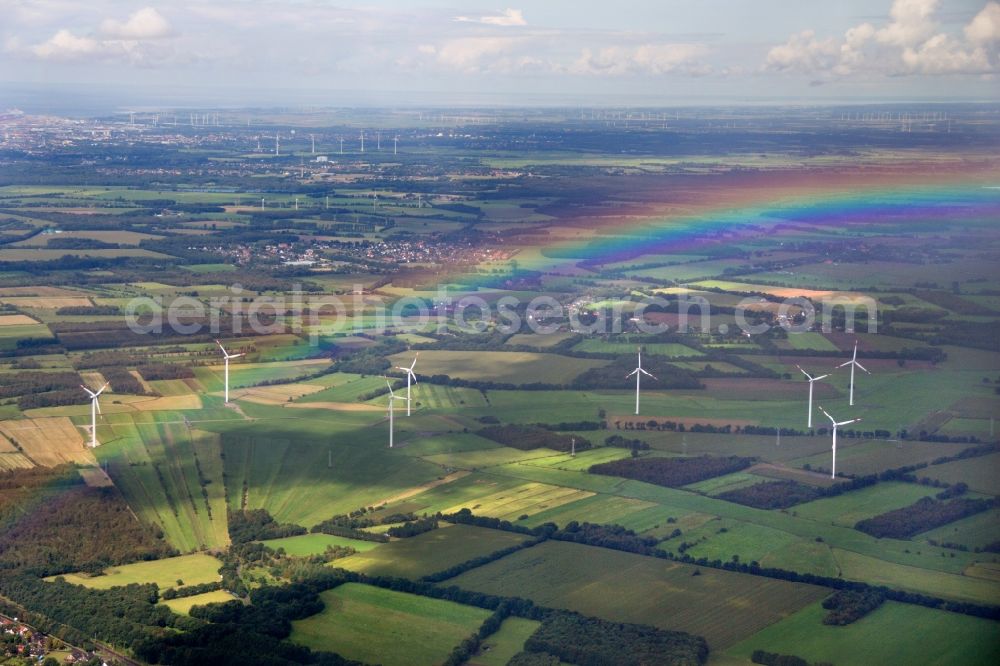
column 258, row 52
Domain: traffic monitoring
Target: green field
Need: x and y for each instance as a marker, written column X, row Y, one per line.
column 504, row 367
column 498, row 648
column 722, row 606
column 191, row 569
column 183, row 605
column 429, row 552
column 982, row 473
column 848, row 508
column 373, row 625
column 671, row 349
column 316, row 544
column 894, row 634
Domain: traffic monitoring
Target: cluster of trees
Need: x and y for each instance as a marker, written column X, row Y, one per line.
column 75, row 614
column 122, row 381
column 155, row 371
column 258, row 525
column 614, row 375
column 413, row 528
column 775, row 659
column 772, row 494
column 351, row 525
column 190, row 590
column 526, row 437
column 26, row 383
column 470, row 646
column 672, row 472
column 55, row 524
column 590, row 641
column 84, row 310
column 846, row 606
column 924, row 514
column 620, row 442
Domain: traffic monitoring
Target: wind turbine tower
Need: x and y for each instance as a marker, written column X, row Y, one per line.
column 410, row 375
column 395, row 142
column 638, row 372
column 833, row 466
column 313, row 137
column 362, row 141
column 227, row 356
column 812, row 380
column 853, row 362
column 392, row 397
column 95, row 409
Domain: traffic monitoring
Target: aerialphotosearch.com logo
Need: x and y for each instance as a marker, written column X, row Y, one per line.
column 317, row 316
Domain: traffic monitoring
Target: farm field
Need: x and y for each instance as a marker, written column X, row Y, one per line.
column 502, row 367
column 429, row 552
column 848, row 508
column 410, row 630
column 982, row 474
column 48, row 441
column 183, row 605
column 670, row 349
column 895, row 633
column 316, row 544
column 498, row 649
column 722, row 606
column 191, row 569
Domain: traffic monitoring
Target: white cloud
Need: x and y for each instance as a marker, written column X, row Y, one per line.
column 910, row 43
column 642, row 59
column 474, row 54
column 985, row 27
column 802, row 53
column 131, row 40
column 64, row 45
column 147, row 23
column 910, row 23
column 507, row 18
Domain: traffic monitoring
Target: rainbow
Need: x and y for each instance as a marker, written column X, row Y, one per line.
column 843, row 206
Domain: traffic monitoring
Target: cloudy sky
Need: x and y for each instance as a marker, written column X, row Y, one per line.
column 627, row 51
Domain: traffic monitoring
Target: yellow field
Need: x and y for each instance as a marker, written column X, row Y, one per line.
column 183, row 605
column 9, row 461
column 275, row 395
column 46, row 302
column 16, row 320
column 526, row 499
column 93, row 379
column 191, row 569
column 121, row 237
column 49, row 441
column 39, row 291
column 337, row 406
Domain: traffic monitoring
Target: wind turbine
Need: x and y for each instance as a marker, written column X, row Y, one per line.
column 833, row 467
column 227, row 356
column 853, row 362
column 95, row 409
column 638, row 372
column 362, row 141
column 409, row 375
column 811, row 381
column 392, row 397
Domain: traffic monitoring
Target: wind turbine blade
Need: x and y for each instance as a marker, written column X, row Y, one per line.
column 89, row 392
column 843, row 364
column 862, row 367
column 804, row 372
column 632, row 373
column 413, row 375
column 832, row 420
column 412, row 365
column 397, row 367
column 222, row 348
column 648, row 374
column 816, row 379
column 97, row 403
